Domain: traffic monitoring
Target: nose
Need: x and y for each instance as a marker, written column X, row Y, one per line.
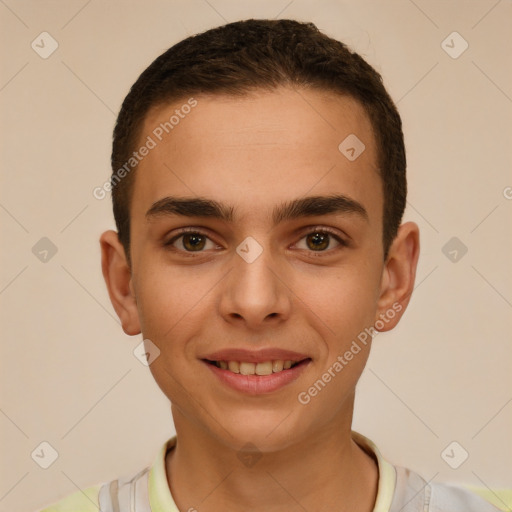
column 255, row 294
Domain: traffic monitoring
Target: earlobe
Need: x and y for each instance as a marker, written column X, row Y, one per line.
column 118, row 279
column 398, row 276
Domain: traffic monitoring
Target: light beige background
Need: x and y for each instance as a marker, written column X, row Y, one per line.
column 69, row 376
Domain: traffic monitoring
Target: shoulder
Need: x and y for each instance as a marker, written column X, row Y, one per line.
column 413, row 493
column 125, row 493
column 80, row 501
column 460, row 498
column 121, row 495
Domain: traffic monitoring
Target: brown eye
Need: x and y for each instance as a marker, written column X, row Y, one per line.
column 191, row 241
column 194, row 242
column 318, row 241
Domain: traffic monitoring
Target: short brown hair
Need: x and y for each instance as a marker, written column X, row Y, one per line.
column 239, row 57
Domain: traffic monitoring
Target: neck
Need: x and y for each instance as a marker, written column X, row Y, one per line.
column 327, row 471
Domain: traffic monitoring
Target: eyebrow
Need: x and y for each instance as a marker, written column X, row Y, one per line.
column 305, row 207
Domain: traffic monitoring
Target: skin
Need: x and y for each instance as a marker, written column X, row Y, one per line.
column 254, row 153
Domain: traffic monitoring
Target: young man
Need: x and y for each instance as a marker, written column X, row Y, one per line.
column 258, row 187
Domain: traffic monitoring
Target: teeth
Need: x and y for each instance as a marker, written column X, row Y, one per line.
column 247, row 368
column 234, row 366
column 277, row 366
column 265, row 368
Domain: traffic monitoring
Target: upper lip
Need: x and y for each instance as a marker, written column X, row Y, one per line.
column 255, row 356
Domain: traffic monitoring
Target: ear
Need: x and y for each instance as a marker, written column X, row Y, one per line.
column 117, row 275
column 398, row 277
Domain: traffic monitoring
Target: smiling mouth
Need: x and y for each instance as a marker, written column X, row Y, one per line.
column 262, row 368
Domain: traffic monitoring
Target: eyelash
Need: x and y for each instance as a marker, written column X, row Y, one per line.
column 323, row 230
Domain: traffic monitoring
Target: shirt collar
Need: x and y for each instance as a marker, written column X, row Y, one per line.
column 161, row 500
column 387, row 473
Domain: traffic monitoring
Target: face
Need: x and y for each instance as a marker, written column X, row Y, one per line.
column 256, row 244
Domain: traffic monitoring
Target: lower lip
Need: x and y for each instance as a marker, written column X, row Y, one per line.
column 258, row 384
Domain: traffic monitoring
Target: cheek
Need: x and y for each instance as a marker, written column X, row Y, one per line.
column 171, row 306
column 340, row 308
column 165, row 298
column 176, row 304
column 345, row 301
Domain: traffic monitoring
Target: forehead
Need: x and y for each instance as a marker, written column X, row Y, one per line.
column 258, row 149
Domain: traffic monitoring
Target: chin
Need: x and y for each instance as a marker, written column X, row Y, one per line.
column 268, row 431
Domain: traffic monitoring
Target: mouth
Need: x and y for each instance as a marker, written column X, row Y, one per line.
column 256, row 373
column 261, row 368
